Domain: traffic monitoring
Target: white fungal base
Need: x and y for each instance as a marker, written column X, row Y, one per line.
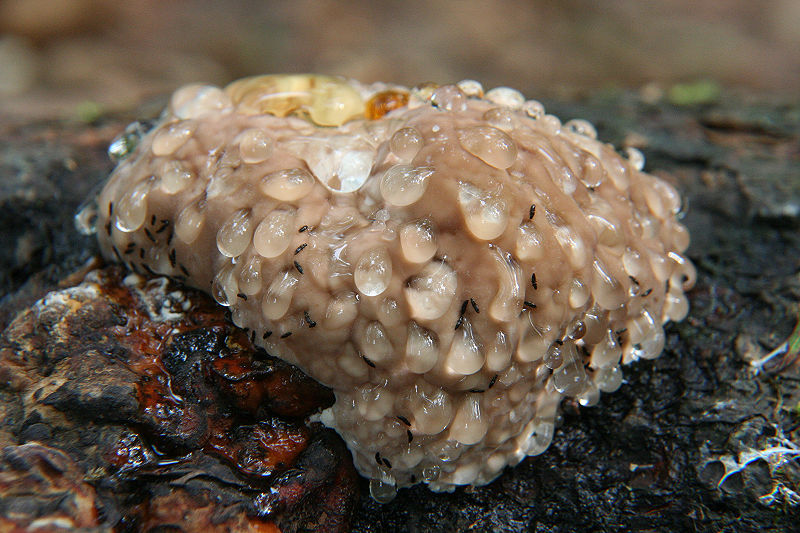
column 451, row 269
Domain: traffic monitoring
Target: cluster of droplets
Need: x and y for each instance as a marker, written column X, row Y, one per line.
column 451, row 262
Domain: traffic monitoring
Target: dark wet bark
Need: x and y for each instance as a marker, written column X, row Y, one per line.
column 117, row 416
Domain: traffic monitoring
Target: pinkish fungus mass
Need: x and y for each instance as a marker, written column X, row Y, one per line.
column 452, row 263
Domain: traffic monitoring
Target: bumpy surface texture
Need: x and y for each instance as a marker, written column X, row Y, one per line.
column 132, row 404
column 451, row 263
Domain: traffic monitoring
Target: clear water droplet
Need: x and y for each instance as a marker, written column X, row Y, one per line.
column 506, row 96
column 255, row 146
column 381, row 491
column 125, row 143
column 373, row 272
column 403, row 185
column 491, row 145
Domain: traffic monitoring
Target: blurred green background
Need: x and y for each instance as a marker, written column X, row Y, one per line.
column 59, row 58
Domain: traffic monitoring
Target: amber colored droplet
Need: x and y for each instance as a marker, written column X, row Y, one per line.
column 385, row 101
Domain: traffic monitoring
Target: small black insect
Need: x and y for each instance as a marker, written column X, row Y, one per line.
column 532, row 211
column 302, row 229
column 288, row 333
column 300, row 248
column 533, row 281
column 298, row 267
column 474, row 305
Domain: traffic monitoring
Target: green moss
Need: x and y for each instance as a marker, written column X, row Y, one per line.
column 88, row 111
column 694, row 93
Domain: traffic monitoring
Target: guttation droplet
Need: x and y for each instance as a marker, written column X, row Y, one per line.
column 608, row 379
column 570, row 379
column 465, row 356
column 250, row 278
column 124, row 144
column 403, row 185
column 533, row 108
column 255, row 146
column 374, row 344
column 471, row 88
column 373, row 272
column 431, row 292
column 422, row 348
column 491, row 145
column 194, row 101
column 172, row 137
column 131, row 209
column 432, row 408
column 405, row 143
column 234, row 235
column 418, row 241
column 381, row 491
column 449, row 98
column 581, row 127
column 507, row 302
column 274, row 233
column 175, row 177
column 469, row 424
column 501, row 118
column 190, row 221
column 485, row 214
column 606, row 290
column 279, row 295
column 224, row 286
column 530, row 242
column 506, row 96
column 287, row 185
column 342, row 310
